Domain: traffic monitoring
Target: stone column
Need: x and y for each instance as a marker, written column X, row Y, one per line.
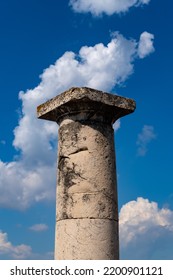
column 86, row 199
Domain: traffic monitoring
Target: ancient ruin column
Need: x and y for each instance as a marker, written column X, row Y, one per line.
column 86, row 198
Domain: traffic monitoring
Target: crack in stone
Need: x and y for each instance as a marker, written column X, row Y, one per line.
column 79, row 150
column 61, row 159
column 87, row 218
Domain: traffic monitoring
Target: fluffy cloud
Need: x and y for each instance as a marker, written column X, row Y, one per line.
column 109, row 7
column 39, row 227
column 9, row 251
column 144, row 138
column 31, row 177
column 146, row 232
column 22, row 185
column 145, row 44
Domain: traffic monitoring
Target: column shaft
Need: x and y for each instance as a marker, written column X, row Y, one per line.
column 87, row 215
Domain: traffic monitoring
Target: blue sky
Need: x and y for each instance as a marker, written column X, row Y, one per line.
column 123, row 47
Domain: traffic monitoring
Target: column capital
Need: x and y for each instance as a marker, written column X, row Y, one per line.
column 87, row 103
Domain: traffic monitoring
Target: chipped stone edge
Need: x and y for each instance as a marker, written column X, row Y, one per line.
column 89, row 94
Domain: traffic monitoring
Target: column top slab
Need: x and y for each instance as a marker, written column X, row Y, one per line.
column 84, row 99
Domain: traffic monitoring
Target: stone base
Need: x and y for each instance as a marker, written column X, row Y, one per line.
column 87, row 239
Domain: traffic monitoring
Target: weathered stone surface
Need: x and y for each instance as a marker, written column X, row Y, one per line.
column 87, row 239
column 86, row 175
column 88, row 104
column 87, row 211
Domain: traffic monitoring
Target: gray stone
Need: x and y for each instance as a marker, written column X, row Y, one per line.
column 88, row 103
column 87, row 210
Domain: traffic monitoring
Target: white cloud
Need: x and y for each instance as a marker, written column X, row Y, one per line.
column 22, row 185
column 31, row 177
column 39, row 227
column 9, row 251
column 109, row 7
column 144, row 138
column 146, row 232
column 145, row 44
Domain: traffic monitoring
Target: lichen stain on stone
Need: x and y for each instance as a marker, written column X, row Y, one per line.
column 101, row 206
column 64, row 216
column 68, row 172
column 86, row 198
column 68, row 176
column 72, row 128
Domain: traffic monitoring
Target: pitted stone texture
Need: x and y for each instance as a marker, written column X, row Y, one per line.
column 86, row 239
column 86, row 171
column 88, row 104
